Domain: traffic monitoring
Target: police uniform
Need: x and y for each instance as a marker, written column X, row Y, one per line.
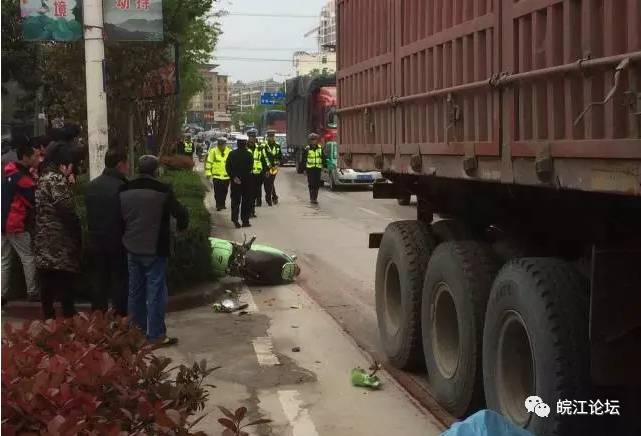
column 273, row 155
column 258, row 168
column 313, row 162
column 215, row 167
column 188, row 147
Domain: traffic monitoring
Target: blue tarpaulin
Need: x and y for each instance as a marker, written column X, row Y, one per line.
column 485, row 423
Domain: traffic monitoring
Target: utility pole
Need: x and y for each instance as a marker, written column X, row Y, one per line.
column 97, row 127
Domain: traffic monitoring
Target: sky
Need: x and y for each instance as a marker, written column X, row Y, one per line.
column 264, row 37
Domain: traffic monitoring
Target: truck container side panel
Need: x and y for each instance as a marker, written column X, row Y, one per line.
column 365, row 58
column 453, row 58
column 488, row 89
column 548, row 34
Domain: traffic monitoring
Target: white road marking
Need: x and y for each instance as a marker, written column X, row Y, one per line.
column 246, row 297
column 264, row 349
column 371, row 212
column 297, row 415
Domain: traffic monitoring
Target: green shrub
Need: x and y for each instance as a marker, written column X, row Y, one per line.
column 191, row 259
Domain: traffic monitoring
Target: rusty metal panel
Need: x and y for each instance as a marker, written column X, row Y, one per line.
column 485, row 89
column 582, row 112
column 365, row 65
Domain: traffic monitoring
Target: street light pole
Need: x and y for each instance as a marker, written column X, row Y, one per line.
column 97, row 127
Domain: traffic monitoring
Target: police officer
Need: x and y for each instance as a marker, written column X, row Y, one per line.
column 258, row 168
column 313, row 162
column 188, row 146
column 239, row 169
column 273, row 155
column 253, row 144
column 215, row 167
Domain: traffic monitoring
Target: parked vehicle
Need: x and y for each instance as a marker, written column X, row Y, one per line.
column 518, row 124
column 311, row 107
column 335, row 177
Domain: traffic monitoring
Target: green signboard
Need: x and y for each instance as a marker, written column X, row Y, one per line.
column 51, row 20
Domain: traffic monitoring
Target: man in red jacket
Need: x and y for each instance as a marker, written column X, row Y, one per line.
column 18, row 202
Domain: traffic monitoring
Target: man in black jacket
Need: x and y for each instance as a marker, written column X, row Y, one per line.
column 239, row 169
column 104, row 220
column 147, row 206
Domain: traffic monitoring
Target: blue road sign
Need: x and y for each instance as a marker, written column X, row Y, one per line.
column 271, row 98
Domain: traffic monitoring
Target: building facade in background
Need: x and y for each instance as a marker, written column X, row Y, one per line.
column 246, row 95
column 327, row 27
column 209, row 108
column 304, row 63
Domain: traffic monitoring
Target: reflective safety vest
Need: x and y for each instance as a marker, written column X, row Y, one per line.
column 215, row 166
column 257, row 154
column 314, row 157
column 189, row 147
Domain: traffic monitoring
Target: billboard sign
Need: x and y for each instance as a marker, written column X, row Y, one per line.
column 51, row 20
column 133, row 20
column 222, row 117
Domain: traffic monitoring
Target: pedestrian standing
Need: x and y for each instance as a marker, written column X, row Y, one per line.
column 313, row 162
column 57, row 241
column 188, row 146
column 239, row 169
column 18, row 214
column 147, row 206
column 258, row 172
column 11, row 155
column 216, row 168
column 258, row 154
column 104, row 222
column 273, row 155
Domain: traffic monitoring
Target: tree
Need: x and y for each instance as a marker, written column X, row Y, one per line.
column 188, row 23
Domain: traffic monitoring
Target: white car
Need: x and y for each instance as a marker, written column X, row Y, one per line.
column 341, row 177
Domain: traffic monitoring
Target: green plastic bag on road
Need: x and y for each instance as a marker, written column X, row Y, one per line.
column 362, row 379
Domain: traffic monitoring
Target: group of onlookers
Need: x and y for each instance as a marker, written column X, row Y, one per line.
column 128, row 223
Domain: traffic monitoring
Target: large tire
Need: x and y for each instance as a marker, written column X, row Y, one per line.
column 451, row 230
column 400, row 268
column 536, row 342
column 457, row 284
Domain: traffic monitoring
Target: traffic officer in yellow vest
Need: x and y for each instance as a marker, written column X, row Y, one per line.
column 273, row 154
column 313, row 162
column 215, row 167
column 258, row 168
column 188, row 147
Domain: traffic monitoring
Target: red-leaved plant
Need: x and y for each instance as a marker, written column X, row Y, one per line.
column 94, row 374
column 233, row 422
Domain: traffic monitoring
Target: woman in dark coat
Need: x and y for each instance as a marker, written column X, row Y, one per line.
column 57, row 242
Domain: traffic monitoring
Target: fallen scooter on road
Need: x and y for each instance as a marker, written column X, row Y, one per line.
column 253, row 262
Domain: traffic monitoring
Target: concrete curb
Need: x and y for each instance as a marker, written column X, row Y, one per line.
column 205, row 293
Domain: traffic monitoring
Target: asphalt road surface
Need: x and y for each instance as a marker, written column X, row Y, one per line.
column 328, row 313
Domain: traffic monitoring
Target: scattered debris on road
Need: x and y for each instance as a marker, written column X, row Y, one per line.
column 228, row 305
column 296, row 349
column 362, row 379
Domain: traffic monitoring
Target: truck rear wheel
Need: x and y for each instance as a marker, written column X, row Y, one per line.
column 535, row 342
column 457, row 283
column 400, row 268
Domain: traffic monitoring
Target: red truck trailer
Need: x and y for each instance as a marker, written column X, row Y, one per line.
column 311, row 107
column 517, row 125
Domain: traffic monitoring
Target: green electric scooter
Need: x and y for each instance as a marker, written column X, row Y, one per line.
column 253, row 262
